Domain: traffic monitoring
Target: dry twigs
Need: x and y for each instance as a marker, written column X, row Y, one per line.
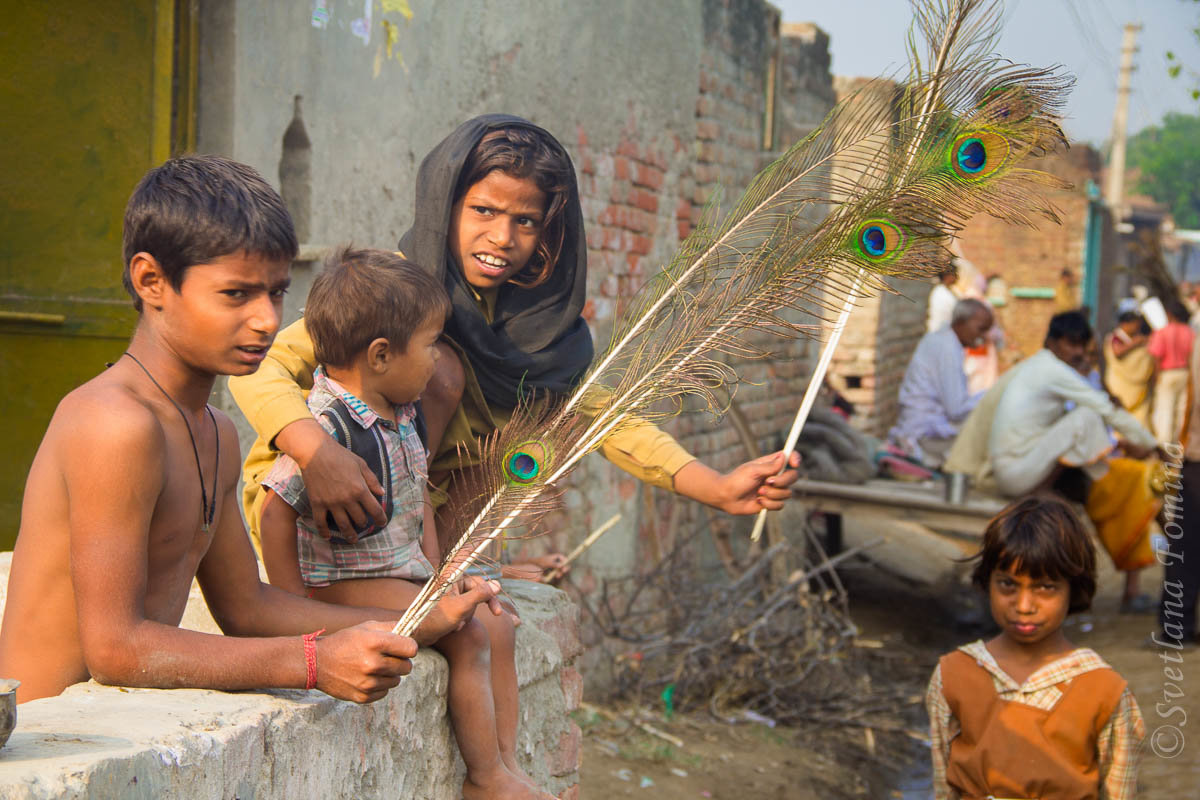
column 697, row 639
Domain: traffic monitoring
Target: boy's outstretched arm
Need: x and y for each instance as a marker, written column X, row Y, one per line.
column 127, row 616
column 747, row 489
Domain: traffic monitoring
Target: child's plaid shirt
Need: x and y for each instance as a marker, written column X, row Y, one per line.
column 1119, row 744
column 394, row 552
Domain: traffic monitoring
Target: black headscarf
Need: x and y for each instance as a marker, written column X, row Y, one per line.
column 537, row 338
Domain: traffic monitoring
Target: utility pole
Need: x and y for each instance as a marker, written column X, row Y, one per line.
column 1115, row 193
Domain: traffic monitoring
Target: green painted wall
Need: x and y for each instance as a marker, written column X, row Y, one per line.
column 85, row 110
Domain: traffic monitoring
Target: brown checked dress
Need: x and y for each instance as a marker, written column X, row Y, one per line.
column 1070, row 732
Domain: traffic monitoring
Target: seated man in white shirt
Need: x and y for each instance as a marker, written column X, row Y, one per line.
column 1034, row 437
column 933, row 397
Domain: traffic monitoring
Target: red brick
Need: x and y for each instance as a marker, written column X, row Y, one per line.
column 683, row 209
column 627, row 148
column 657, row 159
column 564, row 758
column 707, row 129
column 642, row 245
column 613, row 239
column 581, row 136
column 644, row 200
column 595, row 237
column 684, row 229
column 564, row 629
column 572, row 686
column 621, row 168
column 588, row 166
column 706, row 173
column 648, row 176
column 589, row 310
column 619, row 193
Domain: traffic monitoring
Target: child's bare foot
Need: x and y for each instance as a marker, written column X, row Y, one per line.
column 510, row 762
column 501, row 785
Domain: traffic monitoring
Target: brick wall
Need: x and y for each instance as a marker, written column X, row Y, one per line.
column 642, row 197
column 1027, row 257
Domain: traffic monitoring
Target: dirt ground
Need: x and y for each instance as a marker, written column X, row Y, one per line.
column 890, row 759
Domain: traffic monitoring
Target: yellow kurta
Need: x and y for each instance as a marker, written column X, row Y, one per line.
column 274, row 397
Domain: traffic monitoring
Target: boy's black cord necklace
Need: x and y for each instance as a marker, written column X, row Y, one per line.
column 208, row 508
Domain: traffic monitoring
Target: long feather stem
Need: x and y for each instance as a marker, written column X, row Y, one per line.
column 810, row 396
column 818, row 378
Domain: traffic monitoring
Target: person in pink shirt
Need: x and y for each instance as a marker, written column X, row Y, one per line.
column 1171, row 347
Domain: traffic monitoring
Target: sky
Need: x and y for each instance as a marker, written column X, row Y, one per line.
column 867, row 39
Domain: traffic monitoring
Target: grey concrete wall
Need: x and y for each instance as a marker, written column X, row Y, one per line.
column 106, row 742
column 372, row 117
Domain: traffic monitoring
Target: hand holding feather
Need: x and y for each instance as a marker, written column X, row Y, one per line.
column 747, row 489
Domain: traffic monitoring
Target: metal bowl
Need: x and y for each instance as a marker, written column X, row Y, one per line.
column 957, row 485
column 8, row 708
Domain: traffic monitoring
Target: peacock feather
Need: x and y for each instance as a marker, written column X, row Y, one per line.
column 875, row 191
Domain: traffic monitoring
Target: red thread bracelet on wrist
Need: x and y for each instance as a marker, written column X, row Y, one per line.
column 310, row 658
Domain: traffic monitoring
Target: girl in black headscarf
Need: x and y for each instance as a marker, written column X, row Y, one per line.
column 498, row 218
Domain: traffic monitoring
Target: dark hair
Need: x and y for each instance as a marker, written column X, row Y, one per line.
column 195, row 209
column 364, row 295
column 1129, row 316
column 1176, row 309
column 526, row 153
column 1070, row 325
column 1042, row 537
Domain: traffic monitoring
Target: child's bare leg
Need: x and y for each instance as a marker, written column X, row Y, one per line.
column 473, row 714
column 502, row 637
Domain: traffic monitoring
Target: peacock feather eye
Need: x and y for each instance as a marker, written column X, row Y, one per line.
column 879, row 240
column 525, row 462
column 978, row 154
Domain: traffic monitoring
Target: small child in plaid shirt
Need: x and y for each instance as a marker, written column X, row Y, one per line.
column 1028, row 714
column 375, row 320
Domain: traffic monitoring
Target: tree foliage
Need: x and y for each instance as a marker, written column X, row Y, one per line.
column 1176, row 66
column 1168, row 156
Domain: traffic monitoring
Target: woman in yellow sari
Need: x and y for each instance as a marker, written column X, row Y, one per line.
column 1129, row 367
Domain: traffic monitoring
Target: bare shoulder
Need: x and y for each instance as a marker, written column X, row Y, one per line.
column 105, row 416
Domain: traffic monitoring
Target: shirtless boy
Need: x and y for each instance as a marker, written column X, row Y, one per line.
column 134, row 488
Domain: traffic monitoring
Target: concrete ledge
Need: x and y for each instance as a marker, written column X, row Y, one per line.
column 97, row 741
